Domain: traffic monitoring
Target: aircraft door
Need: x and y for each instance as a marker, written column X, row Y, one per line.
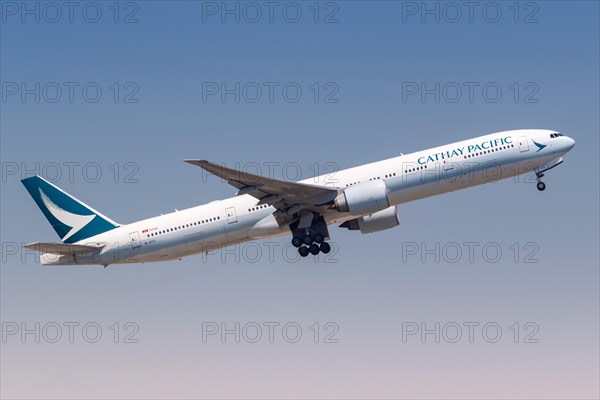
column 523, row 144
column 134, row 239
column 231, row 215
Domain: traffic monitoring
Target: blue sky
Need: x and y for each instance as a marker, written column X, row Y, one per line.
column 120, row 150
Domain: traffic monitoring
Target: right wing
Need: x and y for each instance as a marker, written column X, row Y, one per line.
column 280, row 194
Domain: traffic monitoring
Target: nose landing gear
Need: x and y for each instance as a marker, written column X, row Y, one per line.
column 541, row 186
column 539, row 172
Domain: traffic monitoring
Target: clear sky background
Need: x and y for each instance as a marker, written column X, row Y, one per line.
column 533, row 272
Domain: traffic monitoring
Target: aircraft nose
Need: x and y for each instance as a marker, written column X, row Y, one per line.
column 570, row 143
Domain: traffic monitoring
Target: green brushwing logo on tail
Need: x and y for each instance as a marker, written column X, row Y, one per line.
column 72, row 219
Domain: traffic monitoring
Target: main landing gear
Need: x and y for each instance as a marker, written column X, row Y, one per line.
column 313, row 244
column 311, row 240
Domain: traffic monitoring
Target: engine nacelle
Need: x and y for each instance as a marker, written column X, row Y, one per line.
column 379, row 221
column 363, row 198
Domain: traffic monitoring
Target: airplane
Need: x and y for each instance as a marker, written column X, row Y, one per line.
column 363, row 198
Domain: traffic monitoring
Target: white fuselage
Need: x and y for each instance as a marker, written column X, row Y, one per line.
column 408, row 177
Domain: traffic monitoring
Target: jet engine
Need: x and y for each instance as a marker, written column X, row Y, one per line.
column 363, row 198
column 379, row 221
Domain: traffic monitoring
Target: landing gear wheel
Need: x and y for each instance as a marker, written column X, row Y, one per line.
column 308, row 240
column 303, row 251
column 296, row 241
column 319, row 238
column 325, row 248
column 314, row 249
column 541, row 186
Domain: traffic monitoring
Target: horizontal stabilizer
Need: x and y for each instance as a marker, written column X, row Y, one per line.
column 64, row 249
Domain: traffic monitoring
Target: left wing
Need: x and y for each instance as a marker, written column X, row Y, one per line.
column 278, row 193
